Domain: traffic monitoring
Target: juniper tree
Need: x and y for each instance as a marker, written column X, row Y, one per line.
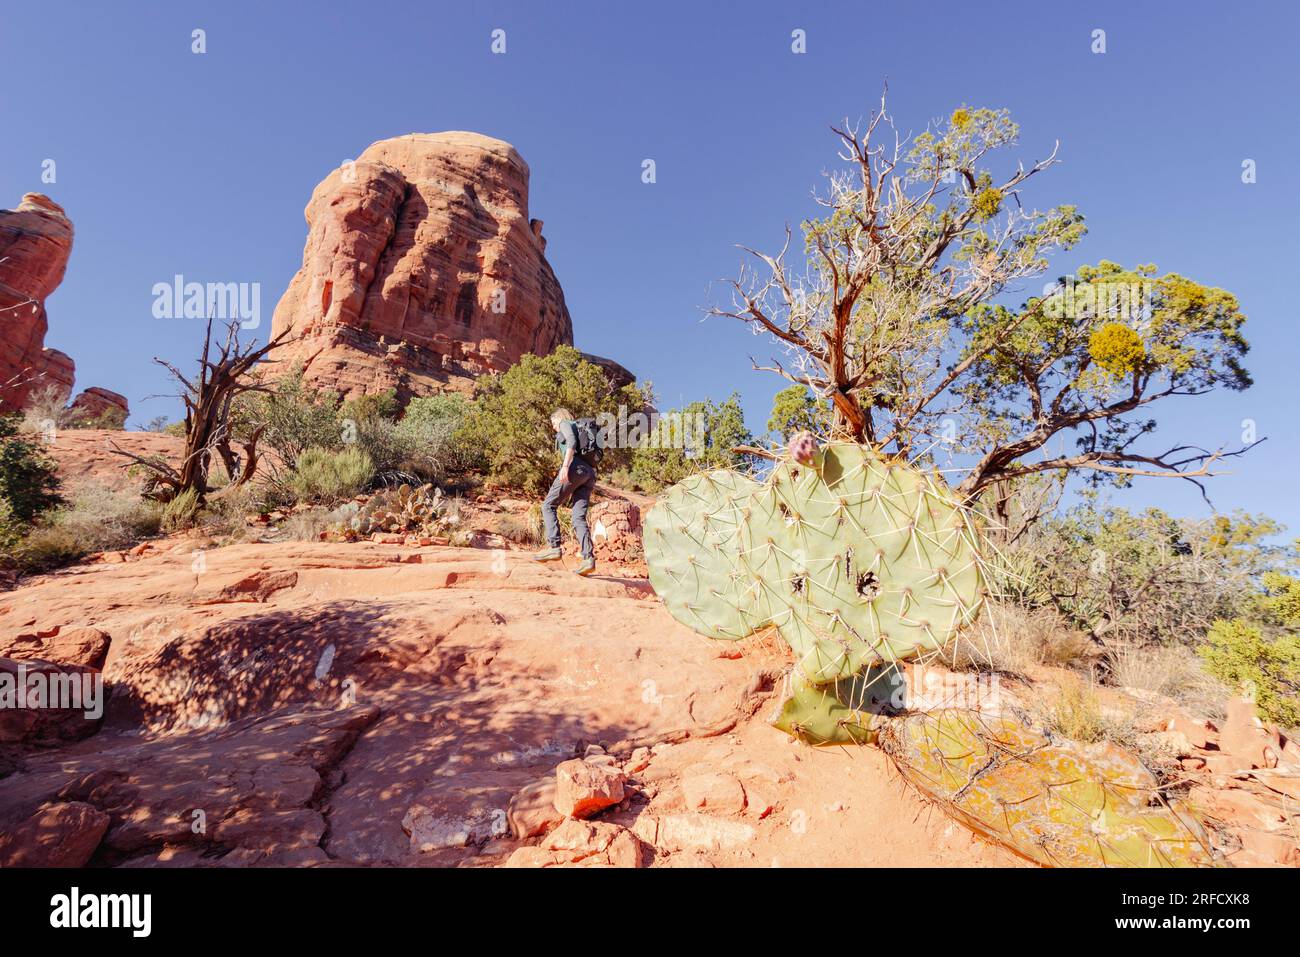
column 894, row 316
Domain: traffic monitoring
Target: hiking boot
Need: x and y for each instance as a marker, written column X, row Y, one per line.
column 586, row 568
column 548, row 555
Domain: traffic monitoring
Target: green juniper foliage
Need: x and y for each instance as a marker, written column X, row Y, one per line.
column 1261, row 649
column 29, row 482
column 510, row 421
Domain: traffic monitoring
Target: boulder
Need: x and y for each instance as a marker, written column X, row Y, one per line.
column 532, row 811
column 1247, row 739
column 60, row 834
column 45, row 704
column 70, row 646
column 718, row 793
column 101, row 405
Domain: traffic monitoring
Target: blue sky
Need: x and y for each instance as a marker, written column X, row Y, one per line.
column 170, row 162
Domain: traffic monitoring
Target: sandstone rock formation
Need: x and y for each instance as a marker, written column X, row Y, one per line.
column 100, row 405
column 423, row 270
column 35, row 242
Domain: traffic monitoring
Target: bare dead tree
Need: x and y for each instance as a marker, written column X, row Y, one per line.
column 223, row 376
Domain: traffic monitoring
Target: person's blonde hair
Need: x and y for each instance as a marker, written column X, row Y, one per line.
column 560, row 415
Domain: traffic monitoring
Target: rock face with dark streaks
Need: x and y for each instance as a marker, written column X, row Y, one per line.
column 422, row 270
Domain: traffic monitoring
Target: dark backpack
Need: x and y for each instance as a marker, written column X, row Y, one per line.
column 591, row 440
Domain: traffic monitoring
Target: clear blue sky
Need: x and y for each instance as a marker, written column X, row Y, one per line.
column 170, row 162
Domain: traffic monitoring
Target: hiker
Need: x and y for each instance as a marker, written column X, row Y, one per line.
column 580, row 441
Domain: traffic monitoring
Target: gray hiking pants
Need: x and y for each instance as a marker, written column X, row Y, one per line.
column 582, row 479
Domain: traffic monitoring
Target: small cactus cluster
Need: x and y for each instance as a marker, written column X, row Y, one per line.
column 1054, row 803
column 403, row 508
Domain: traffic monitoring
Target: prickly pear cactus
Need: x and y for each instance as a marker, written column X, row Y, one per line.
column 859, row 560
column 848, row 711
column 1055, row 803
column 690, row 541
column 403, row 508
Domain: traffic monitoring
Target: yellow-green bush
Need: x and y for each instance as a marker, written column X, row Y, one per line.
column 325, row 476
column 181, row 512
column 1262, row 651
column 96, row 518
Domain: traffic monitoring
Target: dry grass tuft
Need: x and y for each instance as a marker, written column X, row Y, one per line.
column 1009, row 639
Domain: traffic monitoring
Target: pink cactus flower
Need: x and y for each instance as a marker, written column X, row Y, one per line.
column 802, row 447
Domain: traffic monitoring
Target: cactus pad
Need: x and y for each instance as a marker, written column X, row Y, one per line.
column 859, row 560
column 848, row 711
column 1055, row 803
column 691, row 549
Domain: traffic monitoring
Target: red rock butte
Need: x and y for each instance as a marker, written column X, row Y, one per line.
column 422, row 270
column 35, row 243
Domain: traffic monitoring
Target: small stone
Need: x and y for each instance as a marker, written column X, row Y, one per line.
column 57, row 835
column 583, row 789
column 531, row 857
column 532, row 810
column 1197, row 732
column 639, row 761
column 714, row 792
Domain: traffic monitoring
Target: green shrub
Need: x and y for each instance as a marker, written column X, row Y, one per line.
column 96, row 519
column 297, row 417
column 438, row 443
column 29, row 481
column 1262, row 650
column 796, row 409
column 388, row 448
column 697, row 437
column 322, row 475
column 363, row 408
column 1139, row 578
column 510, row 422
column 181, row 512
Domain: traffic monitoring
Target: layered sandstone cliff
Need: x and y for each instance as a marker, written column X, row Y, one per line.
column 422, row 270
column 35, row 242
